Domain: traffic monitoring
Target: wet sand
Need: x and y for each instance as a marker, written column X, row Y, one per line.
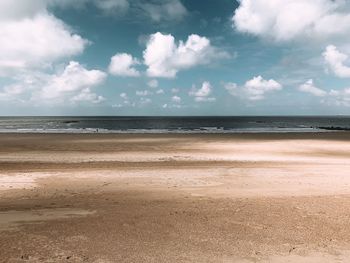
column 175, row 198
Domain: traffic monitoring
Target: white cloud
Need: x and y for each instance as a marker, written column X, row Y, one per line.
column 338, row 98
column 205, row 99
column 176, row 99
column 143, row 93
column 175, row 90
column 202, row 94
column 257, row 87
column 164, row 58
column 153, row 83
column 122, row 65
column 332, row 98
column 336, row 60
column 144, row 101
column 74, row 83
column 32, row 42
column 117, row 105
column 16, row 91
column 164, row 10
column 160, row 91
column 309, row 87
column 126, row 101
column 124, row 96
column 284, row 20
column 88, row 96
column 204, row 91
column 29, row 37
column 254, row 89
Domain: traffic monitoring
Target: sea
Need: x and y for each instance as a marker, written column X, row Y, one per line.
column 212, row 124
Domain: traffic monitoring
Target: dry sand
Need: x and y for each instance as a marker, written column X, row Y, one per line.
column 175, row 198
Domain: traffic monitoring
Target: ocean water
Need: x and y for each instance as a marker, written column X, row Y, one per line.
column 172, row 124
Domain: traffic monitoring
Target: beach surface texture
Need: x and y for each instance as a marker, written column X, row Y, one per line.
column 282, row 197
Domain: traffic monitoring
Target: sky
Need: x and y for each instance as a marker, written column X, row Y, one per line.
column 174, row 57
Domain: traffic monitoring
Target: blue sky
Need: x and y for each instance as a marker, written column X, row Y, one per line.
column 174, row 57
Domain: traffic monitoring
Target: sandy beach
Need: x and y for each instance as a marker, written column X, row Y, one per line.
column 175, row 198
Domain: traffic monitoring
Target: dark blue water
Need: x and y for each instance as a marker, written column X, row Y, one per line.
column 172, row 124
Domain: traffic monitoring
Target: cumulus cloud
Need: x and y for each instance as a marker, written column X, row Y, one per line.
column 153, row 83
column 337, row 98
column 122, row 65
column 284, row 20
column 164, row 57
column 254, row 89
column 124, row 96
column 143, row 101
column 126, row 101
column 143, row 93
column 202, row 94
column 176, row 99
column 333, row 97
column 204, row 91
column 118, row 105
column 336, row 60
column 74, row 84
column 257, row 87
column 87, row 95
column 309, row 87
column 32, row 42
